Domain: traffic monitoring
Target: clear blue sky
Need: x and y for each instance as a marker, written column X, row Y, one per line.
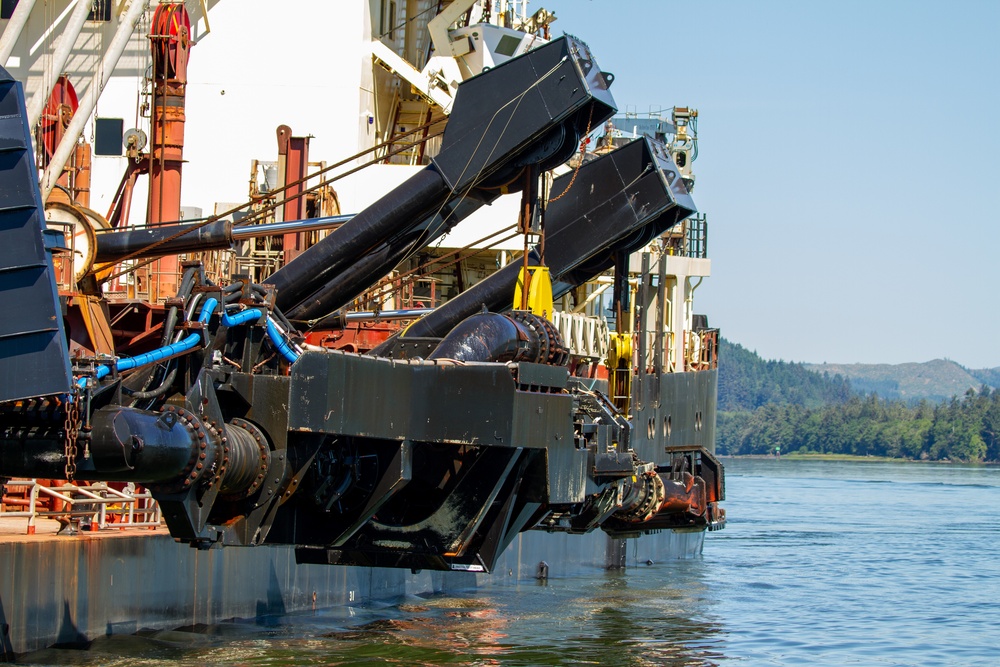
column 848, row 165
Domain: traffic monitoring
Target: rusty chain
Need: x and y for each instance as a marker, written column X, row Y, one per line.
column 72, row 431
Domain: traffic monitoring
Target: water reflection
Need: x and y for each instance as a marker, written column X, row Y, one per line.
column 657, row 615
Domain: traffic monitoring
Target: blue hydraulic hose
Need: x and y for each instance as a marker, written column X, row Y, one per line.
column 281, row 342
column 165, row 352
column 241, row 317
column 192, row 340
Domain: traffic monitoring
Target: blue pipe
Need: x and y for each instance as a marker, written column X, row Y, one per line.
column 192, row 340
column 186, row 344
column 241, row 317
column 281, row 342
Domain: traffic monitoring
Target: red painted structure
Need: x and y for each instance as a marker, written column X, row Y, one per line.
column 170, row 42
column 293, row 154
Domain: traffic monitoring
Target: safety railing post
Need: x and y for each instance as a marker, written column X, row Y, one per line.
column 32, row 500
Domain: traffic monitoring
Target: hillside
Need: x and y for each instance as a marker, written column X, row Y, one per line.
column 935, row 381
column 934, row 411
column 747, row 382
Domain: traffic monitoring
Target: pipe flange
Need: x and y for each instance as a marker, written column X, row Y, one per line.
column 651, row 495
column 206, row 450
column 550, row 348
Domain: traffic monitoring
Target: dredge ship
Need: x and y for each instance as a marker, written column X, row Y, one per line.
column 490, row 371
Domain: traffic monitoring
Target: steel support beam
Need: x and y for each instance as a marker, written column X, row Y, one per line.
column 14, row 27
column 118, row 43
column 60, row 57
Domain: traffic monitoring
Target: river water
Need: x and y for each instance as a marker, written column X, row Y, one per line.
column 822, row 563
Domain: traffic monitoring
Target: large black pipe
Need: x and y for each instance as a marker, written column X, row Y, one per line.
column 112, row 246
column 137, row 242
column 368, row 269
column 495, row 337
column 125, row 445
column 174, row 448
column 530, row 110
column 618, row 202
column 411, row 202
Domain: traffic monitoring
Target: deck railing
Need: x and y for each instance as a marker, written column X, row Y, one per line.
column 104, row 506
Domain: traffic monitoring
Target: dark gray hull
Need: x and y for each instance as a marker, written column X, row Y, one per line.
column 70, row 590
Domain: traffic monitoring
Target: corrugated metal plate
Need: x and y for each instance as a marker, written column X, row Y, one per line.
column 33, row 352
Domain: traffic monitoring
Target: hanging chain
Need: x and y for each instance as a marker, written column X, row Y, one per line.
column 72, row 429
column 583, row 151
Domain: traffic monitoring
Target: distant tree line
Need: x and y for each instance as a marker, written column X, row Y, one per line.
column 766, row 404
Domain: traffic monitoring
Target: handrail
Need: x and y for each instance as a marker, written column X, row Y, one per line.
column 106, row 506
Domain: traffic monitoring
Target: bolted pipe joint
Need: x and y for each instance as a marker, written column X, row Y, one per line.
column 519, row 336
column 174, row 447
column 644, row 495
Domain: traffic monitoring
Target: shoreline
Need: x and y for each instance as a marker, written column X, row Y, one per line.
column 851, row 458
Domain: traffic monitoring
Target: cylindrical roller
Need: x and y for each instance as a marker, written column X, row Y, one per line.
column 112, row 246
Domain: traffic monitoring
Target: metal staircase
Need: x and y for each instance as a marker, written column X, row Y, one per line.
column 409, row 114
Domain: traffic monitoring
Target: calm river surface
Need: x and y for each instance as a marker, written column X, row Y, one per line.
column 822, row 563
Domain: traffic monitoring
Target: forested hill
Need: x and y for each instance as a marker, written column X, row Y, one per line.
column 747, row 382
column 768, row 404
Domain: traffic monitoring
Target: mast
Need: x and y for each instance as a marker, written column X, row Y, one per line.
column 170, row 43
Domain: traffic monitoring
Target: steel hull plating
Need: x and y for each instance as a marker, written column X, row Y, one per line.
column 70, row 590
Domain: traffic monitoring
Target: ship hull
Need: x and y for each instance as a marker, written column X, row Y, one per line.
column 67, row 591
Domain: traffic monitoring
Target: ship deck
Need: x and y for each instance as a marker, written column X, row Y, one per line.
column 13, row 529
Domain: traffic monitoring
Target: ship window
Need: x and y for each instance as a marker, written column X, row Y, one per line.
column 508, row 45
column 7, row 8
column 101, row 11
column 387, row 19
column 108, row 136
